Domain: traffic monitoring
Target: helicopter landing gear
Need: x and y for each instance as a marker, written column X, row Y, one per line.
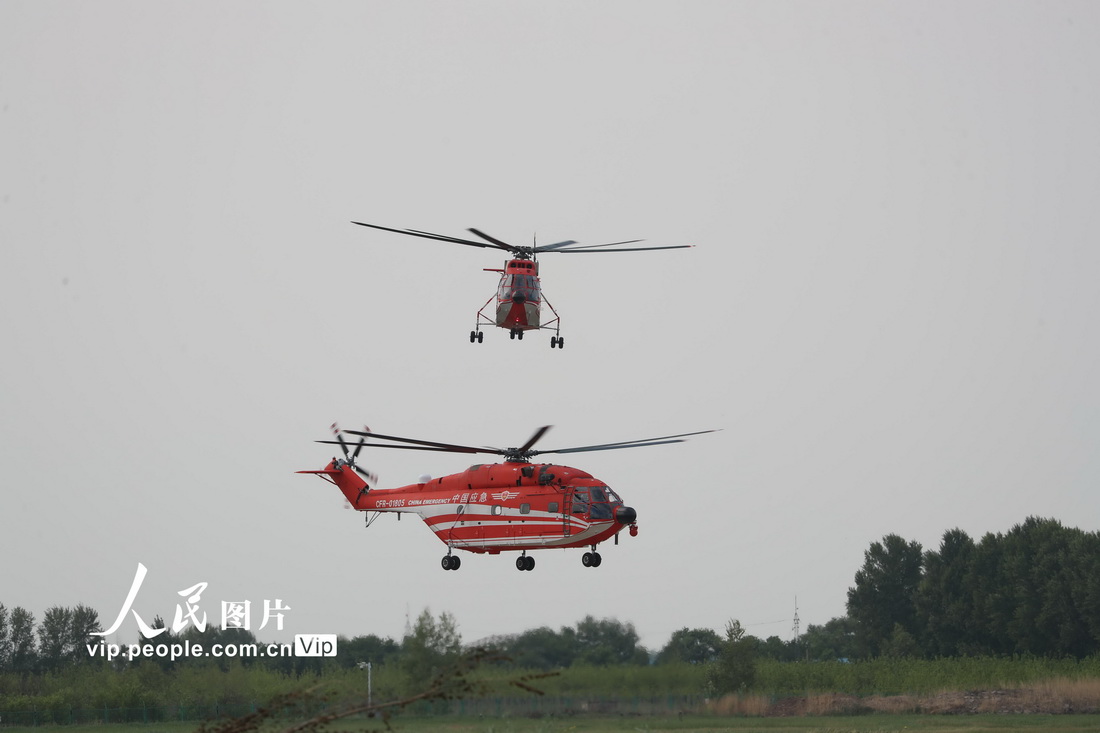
column 591, row 559
column 451, row 562
column 557, row 342
column 525, row 562
column 477, row 336
column 516, row 333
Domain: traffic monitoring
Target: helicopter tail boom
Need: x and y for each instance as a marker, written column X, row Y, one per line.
column 350, row 483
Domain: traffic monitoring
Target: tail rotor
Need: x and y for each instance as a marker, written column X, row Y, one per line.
column 350, row 456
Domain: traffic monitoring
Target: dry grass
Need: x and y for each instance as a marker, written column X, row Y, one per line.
column 1053, row 696
column 752, row 706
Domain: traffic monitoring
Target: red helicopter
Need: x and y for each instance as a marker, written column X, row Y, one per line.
column 519, row 297
column 494, row 507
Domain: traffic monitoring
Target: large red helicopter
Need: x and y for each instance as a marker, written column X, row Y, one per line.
column 519, row 297
column 495, row 507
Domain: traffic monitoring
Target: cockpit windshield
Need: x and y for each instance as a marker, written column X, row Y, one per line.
column 600, row 508
column 526, row 287
column 597, row 502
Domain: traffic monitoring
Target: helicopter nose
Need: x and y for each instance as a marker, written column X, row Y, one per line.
column 625, row 515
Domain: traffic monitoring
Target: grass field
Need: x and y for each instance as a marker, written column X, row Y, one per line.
column 874, row 723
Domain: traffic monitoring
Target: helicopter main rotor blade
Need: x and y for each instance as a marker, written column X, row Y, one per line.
column 431, row 443
column 414, row 447
column 429, row 235
column 591, row 249
column 555, row 245
column 494, row 240
column 628, row 443
column 533, row 439
column 559, row 245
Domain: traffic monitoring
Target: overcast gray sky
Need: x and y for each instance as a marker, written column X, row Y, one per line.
column 890, row 309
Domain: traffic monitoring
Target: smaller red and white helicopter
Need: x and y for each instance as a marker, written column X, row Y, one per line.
column 490, row 508
column 519, row 297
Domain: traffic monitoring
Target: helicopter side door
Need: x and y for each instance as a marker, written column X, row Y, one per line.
column 575, row 505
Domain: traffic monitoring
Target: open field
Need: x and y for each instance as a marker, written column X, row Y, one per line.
column 875, row 723
column 1052, row 704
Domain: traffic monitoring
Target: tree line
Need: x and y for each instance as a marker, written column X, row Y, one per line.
column 59, row 639
column 1034, row 590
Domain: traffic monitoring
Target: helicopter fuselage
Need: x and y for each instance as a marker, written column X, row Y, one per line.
column 519, row 296
column 489, row 508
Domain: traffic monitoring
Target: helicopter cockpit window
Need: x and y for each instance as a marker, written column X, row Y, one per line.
column 580, row 501
column 524, row 285
column 600, row 508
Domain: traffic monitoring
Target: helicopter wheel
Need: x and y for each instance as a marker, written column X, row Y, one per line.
column 519, row 335
column 557, row 342
column 451, row 562
column 512, row 334
column 473, row 336
column 591, row 559
column 525, row 562
column 480, row 337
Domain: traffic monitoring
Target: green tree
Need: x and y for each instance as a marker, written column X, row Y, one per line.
column 603, row 642
column 781, row 651
column 834, row 640
column 431, row 645
column 735, row 668
column 901, row 644
column 1029, row 591
column 85, row 622
column 164, row 637
column 885, row 592
column 540, row 648
column 694, row 646
column 1085, row 581
column 5, row 639
column 362, row 649
column 24, row 654
column 1039, row 554
column 55, row 643
column 945, row 608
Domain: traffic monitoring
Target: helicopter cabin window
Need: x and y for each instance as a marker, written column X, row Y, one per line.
column 497, row 509
column 580, row 501
column 461, row 509
column 524, row 508
column 553, row 507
